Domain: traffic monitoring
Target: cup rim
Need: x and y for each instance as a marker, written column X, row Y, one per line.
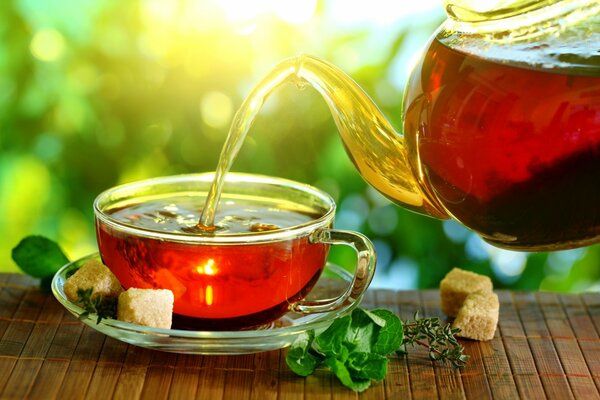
column 234, row 238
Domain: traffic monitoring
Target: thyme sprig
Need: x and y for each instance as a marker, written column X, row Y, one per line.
column 103, row 307
column 439, row 340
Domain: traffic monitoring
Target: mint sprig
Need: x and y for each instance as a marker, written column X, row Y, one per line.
column 356, row 347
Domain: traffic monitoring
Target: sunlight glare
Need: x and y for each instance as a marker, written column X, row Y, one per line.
column 47, row 45
column 216, row 109
column 290, row 11
column 242, row 10
column 209, row 295
column 377, row 12
column 165, row 10
column 208, row 268
column 295, row 12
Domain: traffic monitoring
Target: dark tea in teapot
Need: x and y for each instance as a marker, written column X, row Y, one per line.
column 511, row 150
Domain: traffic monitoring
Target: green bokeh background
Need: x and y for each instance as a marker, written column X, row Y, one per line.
column 96, row 93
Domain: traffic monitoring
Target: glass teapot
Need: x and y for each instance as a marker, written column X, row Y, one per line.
column 501, row 122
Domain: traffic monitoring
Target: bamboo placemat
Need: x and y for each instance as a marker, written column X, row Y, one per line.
column 546, row 346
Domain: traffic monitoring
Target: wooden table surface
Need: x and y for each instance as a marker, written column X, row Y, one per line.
column 546, row 346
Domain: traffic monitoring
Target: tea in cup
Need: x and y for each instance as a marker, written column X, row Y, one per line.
column 267, row 251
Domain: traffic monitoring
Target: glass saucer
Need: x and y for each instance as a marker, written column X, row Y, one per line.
column 279, row 334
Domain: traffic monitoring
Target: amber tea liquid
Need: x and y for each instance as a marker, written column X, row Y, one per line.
column 511, row 150
column 221, row 286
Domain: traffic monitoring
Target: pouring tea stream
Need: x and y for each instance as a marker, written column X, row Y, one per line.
column 501, row 124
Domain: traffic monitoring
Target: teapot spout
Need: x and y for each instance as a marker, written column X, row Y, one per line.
column 378, row 152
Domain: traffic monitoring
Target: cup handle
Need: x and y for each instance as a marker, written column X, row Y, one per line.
column 365, row 269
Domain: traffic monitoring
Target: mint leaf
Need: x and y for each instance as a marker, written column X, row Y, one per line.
column 39, row 257
column 299, row 359
column 367, row 366
column 361, row 333
column 390, row 335
column 374, row 315
column 343, row 374
column 331, row 341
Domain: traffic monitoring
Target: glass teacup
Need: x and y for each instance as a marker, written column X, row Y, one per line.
column 268, row 251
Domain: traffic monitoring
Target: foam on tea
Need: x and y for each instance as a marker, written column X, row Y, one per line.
column 216, row 285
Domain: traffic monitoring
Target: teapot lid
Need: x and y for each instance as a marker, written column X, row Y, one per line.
column 511, row 20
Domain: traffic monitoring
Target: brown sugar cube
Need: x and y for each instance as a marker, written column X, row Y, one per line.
column 149, row 307
column 95, row 275
column 457, row 285
column 478, row 317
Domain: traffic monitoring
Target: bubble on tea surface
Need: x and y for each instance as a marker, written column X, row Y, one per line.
column 200, row 228
column 263, row 227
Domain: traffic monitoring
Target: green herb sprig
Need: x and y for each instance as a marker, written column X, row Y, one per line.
column 439, row 339
column 103, row 307
column 356, row 347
